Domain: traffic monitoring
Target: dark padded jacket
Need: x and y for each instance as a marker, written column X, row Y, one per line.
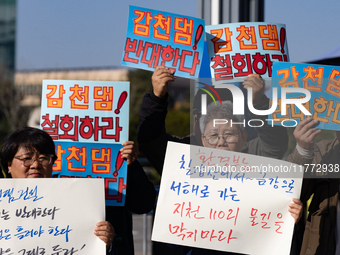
column 319, row 235
column 140, row 198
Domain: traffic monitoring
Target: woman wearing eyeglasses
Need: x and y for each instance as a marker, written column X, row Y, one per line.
column 219, row 131
column 30, row 153
column 222, row 130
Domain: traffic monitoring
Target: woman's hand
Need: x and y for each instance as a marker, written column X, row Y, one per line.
column 105, row 232
column 296, row 208
column 130, row 152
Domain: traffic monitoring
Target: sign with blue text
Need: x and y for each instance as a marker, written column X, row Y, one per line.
column 221, row 200
column 39, row 217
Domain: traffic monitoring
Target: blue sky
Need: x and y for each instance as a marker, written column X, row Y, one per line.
column 82, row 34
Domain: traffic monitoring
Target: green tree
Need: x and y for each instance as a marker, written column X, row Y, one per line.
column 178, row 118
column 13, row 115
column 140, row 83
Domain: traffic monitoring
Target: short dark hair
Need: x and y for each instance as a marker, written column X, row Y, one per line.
column 32, row 139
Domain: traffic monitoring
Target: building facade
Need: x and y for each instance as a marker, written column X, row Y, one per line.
column 7, row 39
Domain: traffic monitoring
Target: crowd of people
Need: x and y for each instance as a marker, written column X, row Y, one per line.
column 30, row 153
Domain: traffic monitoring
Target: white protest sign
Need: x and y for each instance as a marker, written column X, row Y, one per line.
column 51, row 216
column 230, row 211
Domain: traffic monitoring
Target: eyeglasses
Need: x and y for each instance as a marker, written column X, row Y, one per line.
column 213, row 138
column 27, row 159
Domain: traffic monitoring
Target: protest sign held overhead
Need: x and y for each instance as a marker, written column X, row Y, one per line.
column 85, row 111
column 239, row 49
column 205, row 203
column 156, row 38
column 321, row 85
column 88, row 121
column 40, row 217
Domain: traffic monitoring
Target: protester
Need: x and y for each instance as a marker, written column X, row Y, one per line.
column 30, row 153
column 222, row 134
column 322, row 228
column 271, row 141
column 140, row 199
column 152, row 137
column 227, row 136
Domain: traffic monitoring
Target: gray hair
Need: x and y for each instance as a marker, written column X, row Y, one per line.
column 224, row 111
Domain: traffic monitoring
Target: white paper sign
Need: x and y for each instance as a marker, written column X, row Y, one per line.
column 229, row 211
column 47, row 216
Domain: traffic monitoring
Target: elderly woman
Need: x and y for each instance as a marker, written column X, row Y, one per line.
column 222, row 130
column 30, row 153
